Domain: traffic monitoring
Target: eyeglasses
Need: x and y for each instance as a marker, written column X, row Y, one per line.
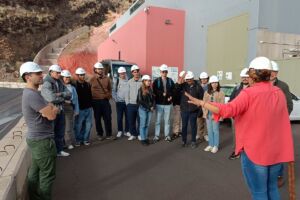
column 165, row 72
column 81, row 74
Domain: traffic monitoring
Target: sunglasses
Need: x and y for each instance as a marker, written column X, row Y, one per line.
column 81, row 75
column 188, row 79
column 165, row 72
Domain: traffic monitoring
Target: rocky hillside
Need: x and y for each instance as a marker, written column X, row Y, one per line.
column 28, row 25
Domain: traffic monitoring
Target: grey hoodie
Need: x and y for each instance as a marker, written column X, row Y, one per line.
column 133, row 88
column 120, row 91
column 51, row 87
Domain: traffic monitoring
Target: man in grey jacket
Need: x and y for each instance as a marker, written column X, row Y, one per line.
column 134, row 85
column 55, row 92
column 119, row 91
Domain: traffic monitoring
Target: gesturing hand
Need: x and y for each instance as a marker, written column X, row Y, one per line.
column 193, row 100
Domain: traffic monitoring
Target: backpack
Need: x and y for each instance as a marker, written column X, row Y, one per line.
column 168, row 82
column 117, row 84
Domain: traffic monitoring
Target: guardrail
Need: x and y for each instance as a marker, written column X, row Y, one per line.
column 14, row 163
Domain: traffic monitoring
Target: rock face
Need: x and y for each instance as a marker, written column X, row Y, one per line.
column 28, row 25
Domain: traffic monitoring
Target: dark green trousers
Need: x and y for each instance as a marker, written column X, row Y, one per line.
column 41, row 174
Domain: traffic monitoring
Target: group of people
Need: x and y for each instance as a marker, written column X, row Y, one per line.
column 63, row 111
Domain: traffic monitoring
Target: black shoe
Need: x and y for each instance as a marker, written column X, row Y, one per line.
column 233, row 156
column 183, row 144
column 145, row 142
column 194, row 145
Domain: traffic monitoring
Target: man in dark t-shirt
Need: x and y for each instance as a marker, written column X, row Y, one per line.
column 39, row 118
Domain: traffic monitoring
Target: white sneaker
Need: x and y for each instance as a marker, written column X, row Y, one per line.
column 197, row 137
column 139, row 138
column 132, row 138
column 70, row 147
column 127, row 134
column 206, row 138
column 119, row 134
column 208, row 148
column 214, row 149
column 63, row 154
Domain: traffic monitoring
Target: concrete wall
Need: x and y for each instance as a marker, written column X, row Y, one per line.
column 200, row 15
column 289, row 71
column 227, row 48
column 147, row 40
column 279, row 15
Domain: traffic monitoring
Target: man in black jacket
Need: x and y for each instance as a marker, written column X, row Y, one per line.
column 83, row 121
column 285, row 89
column 163, row 91
column 189, row 112
column 244, row 84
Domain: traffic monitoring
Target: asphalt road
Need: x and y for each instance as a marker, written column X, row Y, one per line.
column 10, row 109
column 126, row 170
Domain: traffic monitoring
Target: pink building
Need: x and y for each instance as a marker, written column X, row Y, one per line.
column 152, row 37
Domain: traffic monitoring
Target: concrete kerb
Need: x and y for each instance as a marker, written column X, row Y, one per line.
column 14, row 163
column 12, row 85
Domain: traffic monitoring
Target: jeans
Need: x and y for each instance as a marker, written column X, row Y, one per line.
column 145, row 118
column 102, row 109
column 261, row 180
column 213, row 131
column 59, row 131
column 164, row 110
column 41, row 173
column 186, row 117
column 121, row 111
column 83, row 125
column 133, row 117
column 176, row 120
column 69, row 125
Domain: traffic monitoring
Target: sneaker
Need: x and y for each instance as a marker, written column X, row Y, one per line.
column 206, row 138
column 155, row 139
column 77, row 144
column 139, row 138
column 119, row 134
column 233, row 156
column 197, row 137
column 208, row 148
column 127, row 134
column 86, row 143
column 132, row 138
column 63, row 154
column 100, row 138
column 194, row 145
column 174, row 136
column 71, row 146
column 168, row 139
column 214, row 149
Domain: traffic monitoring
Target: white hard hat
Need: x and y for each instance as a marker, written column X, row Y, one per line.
column 203, row 75
column 260, row 63
column 146, row 77
column 98, row 65
column 55, row 68
column 181, row 74
column 121, row 70
column 275, row 66
column 244, row 72
column 213, row 79
column 134, row 67
column 163, row 67
column 29, row 67
column 65, row 73
column 80, row 71
column 189, row 75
